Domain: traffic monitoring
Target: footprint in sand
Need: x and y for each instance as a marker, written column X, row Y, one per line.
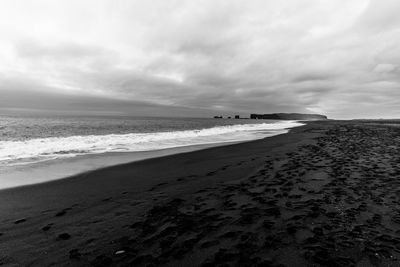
column 62, row 213
column 47, row 227
column 64, row 236
column 211, row 173
column 20, row 221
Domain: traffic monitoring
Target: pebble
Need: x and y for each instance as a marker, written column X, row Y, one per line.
column 119, row 252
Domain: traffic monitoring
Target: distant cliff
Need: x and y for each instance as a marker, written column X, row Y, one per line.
column 288, row 116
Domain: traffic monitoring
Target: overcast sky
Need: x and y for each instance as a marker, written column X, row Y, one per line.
column 198, row 58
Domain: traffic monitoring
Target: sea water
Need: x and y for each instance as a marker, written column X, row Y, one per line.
column 52, row 147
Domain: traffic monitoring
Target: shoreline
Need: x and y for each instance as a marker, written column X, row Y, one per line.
column 158, row 155
column 59, row 169
column 64, row 168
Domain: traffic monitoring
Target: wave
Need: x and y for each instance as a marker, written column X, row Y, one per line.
column 40, row 149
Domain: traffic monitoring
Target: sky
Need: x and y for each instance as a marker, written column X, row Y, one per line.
column 201, row 58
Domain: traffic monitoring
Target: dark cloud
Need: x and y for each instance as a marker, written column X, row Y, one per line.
column 340, row 59
column 36, row 98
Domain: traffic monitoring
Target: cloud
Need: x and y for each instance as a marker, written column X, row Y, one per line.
column 337, row 58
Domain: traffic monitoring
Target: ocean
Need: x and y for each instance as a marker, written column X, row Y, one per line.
column 36, row 144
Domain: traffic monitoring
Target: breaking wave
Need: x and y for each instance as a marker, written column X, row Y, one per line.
column 42, row 149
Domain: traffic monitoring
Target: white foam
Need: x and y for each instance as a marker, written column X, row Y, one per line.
column 40, row 149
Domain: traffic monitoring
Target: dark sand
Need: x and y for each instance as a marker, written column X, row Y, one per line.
column 325, row 194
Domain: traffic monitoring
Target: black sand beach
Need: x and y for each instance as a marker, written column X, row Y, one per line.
column 325, row 194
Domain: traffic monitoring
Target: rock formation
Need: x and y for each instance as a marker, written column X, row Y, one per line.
column 288, row 116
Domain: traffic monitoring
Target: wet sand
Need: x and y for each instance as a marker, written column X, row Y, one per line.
column 14, row 176
column 325, row 194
